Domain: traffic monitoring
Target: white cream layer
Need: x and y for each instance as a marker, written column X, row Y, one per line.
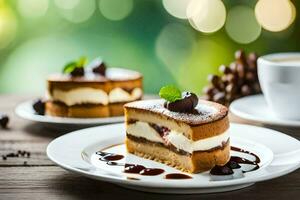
column 80, row 96
column 94, row 96
column 144, row 130
column 120, row 95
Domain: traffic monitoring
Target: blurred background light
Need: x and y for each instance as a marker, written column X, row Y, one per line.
column 294, row 12
column 8, row 26
column 28, row 59
column 275, row 15
column 115, row 9
column 66, row 4
column 206, row 15
column 241, row 25
column 32, row 8
column 206, row 57
column 38, row 37
column 80, row 12
column 176, row 8
column 174, row 46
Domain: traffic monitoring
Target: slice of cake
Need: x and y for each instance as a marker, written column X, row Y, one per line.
column 184, row 132
column 91, row 91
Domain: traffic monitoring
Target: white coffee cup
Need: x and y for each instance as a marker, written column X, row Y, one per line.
column 279, row 78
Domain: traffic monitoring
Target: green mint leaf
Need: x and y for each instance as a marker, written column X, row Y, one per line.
column 82, row 62
column 68, row 68
column 170, row 93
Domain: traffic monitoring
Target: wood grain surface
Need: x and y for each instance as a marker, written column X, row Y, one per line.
column 39, row 178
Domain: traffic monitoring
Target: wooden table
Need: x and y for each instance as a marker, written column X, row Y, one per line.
column 42, row 179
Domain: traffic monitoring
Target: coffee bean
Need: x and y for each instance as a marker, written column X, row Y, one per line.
column 217, row 82
column 4, row 119
column 219, row 97
column 214, row 79
column 231, row 78
column 224, row 80
column 240, row 56
column 256, row 88
column 209, row 90
column 229, row 98
column 233, row 67
column 240, row 82
column 12, row 155
column 224, row 69
column 22, row 153
column 250, row 77
column 39, row 106
column 237, row 80
column 253, row 57
column 245, row 90
column 240, row 70
column 230, row 89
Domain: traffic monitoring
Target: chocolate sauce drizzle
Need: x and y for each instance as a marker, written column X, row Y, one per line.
column 142, row 170
column 177, row 176
column 133, row 178
column 110, row 159
column 234, row 162
column 257, row 159
column 240, row 160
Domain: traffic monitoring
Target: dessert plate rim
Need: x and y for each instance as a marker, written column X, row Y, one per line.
column 246, row 108
column 23, row 111
column 86, row 169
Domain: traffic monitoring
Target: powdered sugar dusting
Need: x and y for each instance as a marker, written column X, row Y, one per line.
column 205, row 111
column 112, row 74
column 121, row 74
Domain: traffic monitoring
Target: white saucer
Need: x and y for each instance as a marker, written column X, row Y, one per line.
column 76, row 152
column 255, row 108
column 25, row 111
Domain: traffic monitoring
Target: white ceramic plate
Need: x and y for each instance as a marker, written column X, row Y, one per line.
column 255, row 108
column 25, row 111
column 76, row 152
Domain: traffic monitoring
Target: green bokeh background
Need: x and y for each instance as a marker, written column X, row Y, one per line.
column 165, row 49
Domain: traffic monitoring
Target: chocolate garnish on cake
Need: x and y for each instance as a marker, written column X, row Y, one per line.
column 75, row 68
column 98, row 67
column 178, row 101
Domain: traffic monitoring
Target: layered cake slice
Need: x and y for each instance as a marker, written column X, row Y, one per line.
column 91, row 91
column 184, row 132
